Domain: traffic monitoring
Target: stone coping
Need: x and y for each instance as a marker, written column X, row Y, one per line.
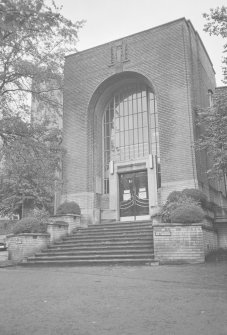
column 169, row 225
column 163, row 224
column 58, row 223
column 28, row 234
column 70, row 215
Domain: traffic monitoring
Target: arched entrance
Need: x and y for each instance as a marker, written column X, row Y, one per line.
column 127, row 114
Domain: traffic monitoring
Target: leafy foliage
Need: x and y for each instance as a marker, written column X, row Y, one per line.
column 29, row 225
column 34, row 38
column 173, row 203
column 6, row 226
column 174, row 196
column 32, row 156
column 186, row 199
column 187, row 213
column 70, row 207
column 35, row 223
column 216, row 24
column 198, row 196
column 213, row 140
column 213, row 120
column 40, row 215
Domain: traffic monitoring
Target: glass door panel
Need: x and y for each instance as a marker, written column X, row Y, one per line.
column 134, row 199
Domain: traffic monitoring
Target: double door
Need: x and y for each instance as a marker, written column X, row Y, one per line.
column 134, row 198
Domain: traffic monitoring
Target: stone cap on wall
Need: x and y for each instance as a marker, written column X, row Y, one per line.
column 58, row 223
column 178, row 224
column 70, row 215
column 28, row 234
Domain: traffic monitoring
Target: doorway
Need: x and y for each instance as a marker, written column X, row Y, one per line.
column 133, row 196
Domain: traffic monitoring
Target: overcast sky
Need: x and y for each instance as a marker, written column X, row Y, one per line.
column 107, row 20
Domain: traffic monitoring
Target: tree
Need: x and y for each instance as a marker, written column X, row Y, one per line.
column 217, row 25
column 33, row 41
column 34, row 38
column 214, row 136
column 214, row 118
column 31, row 157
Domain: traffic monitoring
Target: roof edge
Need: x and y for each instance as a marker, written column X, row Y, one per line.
column 134, row 34
column 200, row 40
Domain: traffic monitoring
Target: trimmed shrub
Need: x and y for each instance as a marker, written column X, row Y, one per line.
column 175, row 200
column 174, row 196
column 187, row 213
column 29, row 225
column 70, row 207
column 197, row 195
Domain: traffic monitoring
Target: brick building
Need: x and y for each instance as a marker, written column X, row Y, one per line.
column 129, row 122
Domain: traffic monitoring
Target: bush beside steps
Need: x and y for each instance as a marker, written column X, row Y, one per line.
column 69, row 207
column 30, row 225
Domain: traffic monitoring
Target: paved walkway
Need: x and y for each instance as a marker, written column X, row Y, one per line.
column 156, row 300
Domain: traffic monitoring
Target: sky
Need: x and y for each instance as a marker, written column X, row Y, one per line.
column 107, row 20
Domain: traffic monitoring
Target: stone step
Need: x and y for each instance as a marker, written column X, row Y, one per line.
column 100, row 246
column 107, row 235
column 112, row 231
column 94, row 262
column 90, row 257
column 105, row 251
column 121, row 224
column 108, row 244
column 105, row 228
column 124, row 239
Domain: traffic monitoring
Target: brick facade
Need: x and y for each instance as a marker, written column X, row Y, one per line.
column 172, row 61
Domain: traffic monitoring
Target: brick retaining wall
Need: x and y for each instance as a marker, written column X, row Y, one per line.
column 23, row 245
column 57, row 230
column 181, row 243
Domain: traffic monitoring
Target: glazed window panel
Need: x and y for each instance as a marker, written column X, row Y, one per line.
column 139, row 106
column 129, row 127
column 130, row 110
column 125, row 107
column 130, row 120
column 117, row 122
column 136, row 136
column 144, row 119
column 131, row 139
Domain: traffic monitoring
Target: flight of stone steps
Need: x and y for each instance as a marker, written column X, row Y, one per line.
column 128, row 243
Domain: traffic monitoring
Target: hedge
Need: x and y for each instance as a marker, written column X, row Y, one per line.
column 70, row 207
column 29, row 225
column 187, row 213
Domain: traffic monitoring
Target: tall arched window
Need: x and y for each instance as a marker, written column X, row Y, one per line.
column 129, row 127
